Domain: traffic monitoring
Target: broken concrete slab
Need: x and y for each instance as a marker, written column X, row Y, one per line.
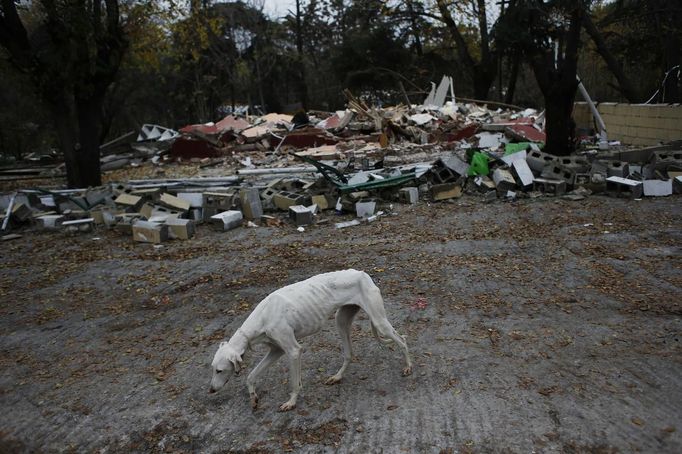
column 365, row 209
column 284, row 199
column 228, row 220
column 504, row 180
column 149, row 232
column 195, row 199
column 523, row 172
column 509, row 159
column 130, row 202
column 251, row 203
column 658, row 188
column 491, row 140
column 633, row 188
column 175, row 203
column 343, row 225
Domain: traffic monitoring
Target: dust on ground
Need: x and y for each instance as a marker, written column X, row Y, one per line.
column 541, row 325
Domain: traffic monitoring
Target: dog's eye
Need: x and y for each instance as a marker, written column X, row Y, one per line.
column 218, row 371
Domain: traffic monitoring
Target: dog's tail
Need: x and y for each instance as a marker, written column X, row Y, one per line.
column 378, row 337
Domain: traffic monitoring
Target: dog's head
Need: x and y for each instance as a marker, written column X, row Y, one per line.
column 225, row 363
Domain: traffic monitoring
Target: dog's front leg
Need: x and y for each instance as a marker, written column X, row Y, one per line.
column 294, row 355
column 273, row 355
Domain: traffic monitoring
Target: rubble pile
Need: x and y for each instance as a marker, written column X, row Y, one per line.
column 279, row 170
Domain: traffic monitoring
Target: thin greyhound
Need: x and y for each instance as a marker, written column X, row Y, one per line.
column 299, row 310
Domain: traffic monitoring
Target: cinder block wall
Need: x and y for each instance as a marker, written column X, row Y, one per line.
column 636, row 124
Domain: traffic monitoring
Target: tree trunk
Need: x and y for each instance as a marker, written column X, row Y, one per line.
column 513, row 75
column 482, row 79
column 63, row 117
column 625, row 86
column 559, row 126
column 302, row 86
column 89, row 125
column 414, row 28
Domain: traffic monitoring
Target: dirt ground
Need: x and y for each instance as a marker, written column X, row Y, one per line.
column 536, row 326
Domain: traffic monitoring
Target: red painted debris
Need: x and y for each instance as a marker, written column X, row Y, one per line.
column 307, row 138
column 229, row 123
column 186, row 147
column 464, row 133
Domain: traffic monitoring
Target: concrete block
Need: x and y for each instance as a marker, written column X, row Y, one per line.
column 195, row 199
column 658, row 188
column 365, row 209
column 409, row 195
column 50, row 221
column 484, row 182
column 537, row 160
column 549, row 186
column 149, row 232
column 251, row 204
column 301, row 215
column 217, row 202
column 617, row 169
column 146, row 193
column 455, row 164
column 196, row 214
column 504, row 180
column 21, row 212
column 130, row 202
column 175, row 203
column 577, row 164
column 228, row 220
column 622, row 185
column 284, row 199
column 513, row 157
column 677, row 184
column 321, row 202
column 558, row 172
column 441, row 173
column 180, row 228
column 358, row 195
column 523, row 172
column 445, row 191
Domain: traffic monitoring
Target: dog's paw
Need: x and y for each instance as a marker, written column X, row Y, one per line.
column 254, row 401
column 407, row 371
column 288, row 405
column 332, row 380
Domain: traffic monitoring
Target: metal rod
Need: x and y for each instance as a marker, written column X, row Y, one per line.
column 9, row 211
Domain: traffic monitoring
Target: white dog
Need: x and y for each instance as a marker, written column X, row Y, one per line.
column 296, row 311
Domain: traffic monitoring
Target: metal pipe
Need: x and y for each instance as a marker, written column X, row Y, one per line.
column 302, row 169
column 9, row 211
column 603, row 140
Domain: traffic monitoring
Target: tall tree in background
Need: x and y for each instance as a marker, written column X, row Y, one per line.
column 549, row 34
column 484, row 69
column 71, row 51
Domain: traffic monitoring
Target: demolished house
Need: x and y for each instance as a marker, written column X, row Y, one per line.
column 341, row 168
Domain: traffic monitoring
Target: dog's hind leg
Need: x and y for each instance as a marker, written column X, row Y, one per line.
column 344, row 320
column 374, row 306
column 273, row 355
column 385, row 329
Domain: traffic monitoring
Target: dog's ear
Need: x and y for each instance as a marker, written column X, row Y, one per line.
column 236, row 361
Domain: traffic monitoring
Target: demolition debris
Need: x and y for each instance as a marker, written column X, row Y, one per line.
column 303, row 170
